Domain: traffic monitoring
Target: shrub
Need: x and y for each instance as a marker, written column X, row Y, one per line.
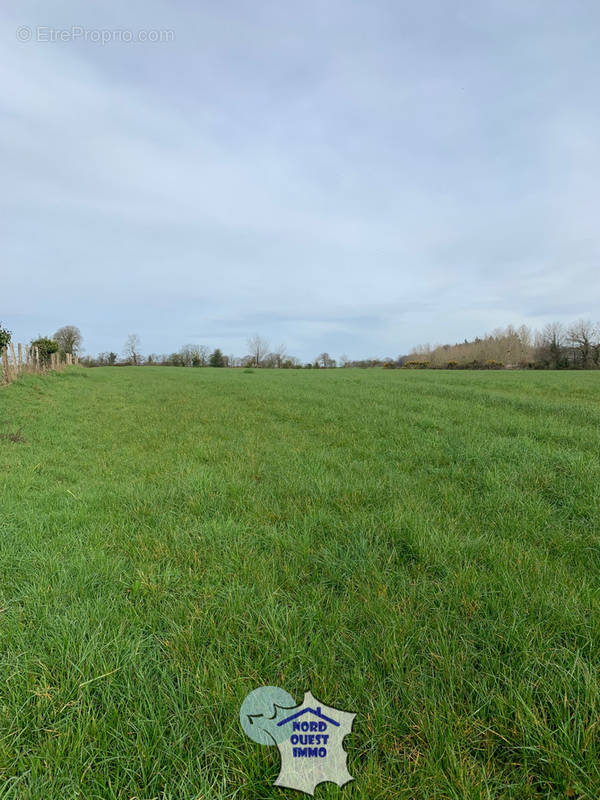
column 5, row 336
column 46, row 347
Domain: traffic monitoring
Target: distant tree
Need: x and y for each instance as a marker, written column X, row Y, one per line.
column 258, row 348
column 176, row 360
column 5, row 336
column 325, row 361
column 132, row 349
column 69, row 339
column 582, row 336
column 106, row 359
column 279, row 356
column 194, row 355
column 217, row 359
column 187, row 355
column 45, row 347
column 550, row 350
column 203, row 355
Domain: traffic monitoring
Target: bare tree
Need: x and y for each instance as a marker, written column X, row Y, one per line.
column 132, row 349
column 581, row 335
column 69, row 339
column 194, row 355
column 279, row 355
column 550, row 346
column 325, row 361
column 203, row 354
column 186, row 355
column 258, row 347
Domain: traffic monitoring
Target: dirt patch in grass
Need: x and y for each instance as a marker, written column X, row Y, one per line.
column 17, row 436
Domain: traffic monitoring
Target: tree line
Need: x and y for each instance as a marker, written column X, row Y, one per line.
column 556, row 346
column 260, row 355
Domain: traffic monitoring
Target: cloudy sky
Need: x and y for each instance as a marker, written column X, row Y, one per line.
column 356, row 177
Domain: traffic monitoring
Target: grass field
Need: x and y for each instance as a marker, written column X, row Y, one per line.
column 421, row 548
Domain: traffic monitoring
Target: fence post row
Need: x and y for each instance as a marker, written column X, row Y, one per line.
column 26, row 358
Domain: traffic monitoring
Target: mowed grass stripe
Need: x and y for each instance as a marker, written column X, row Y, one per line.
column 419, row 547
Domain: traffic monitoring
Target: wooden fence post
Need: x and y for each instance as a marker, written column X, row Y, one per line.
column 20, row 349
column 13, row 367
column 5, row 370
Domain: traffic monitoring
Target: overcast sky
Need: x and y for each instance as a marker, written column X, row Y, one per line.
column 355, row 177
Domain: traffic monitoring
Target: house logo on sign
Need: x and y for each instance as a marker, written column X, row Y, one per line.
column 309, row 736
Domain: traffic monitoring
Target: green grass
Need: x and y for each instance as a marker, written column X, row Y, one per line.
column 419, row 547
